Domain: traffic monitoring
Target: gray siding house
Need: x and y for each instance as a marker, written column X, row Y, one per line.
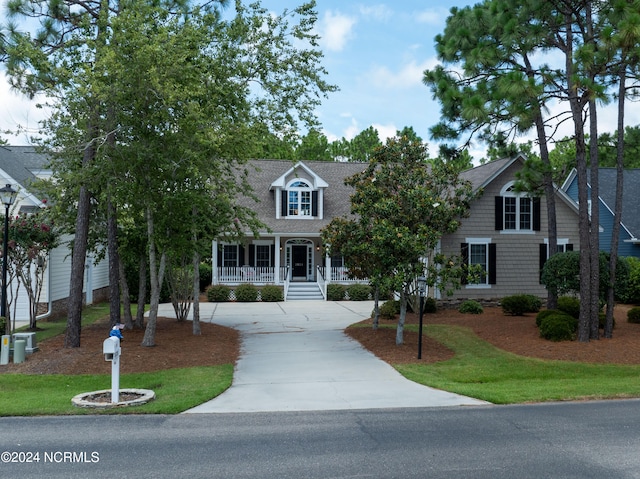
column 506, row 232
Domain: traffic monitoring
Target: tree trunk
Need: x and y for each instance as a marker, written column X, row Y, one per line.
column 403, row 315
column 142, row 291
column 156, row 275
column 114, row 265
column 615, row 233
column 196, row 294
column 376, row 307
column 594, row 242
column 125, row 296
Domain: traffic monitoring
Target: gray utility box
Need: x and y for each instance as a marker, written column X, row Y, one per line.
column 29, row 339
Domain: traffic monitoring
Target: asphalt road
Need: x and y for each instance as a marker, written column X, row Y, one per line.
column 568, row 440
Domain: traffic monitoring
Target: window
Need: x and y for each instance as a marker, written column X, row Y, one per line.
column 263, row 256
column 230, row 255
column 480, row 252
column 516, row 212
column 298, row 200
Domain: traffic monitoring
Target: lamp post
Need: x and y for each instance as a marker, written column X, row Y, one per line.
column 422, row 284
column 8, row 196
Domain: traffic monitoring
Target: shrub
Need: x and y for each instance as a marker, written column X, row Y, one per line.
column 430, row 305
column 3, row 325
column 272, row 293
column 558, row 327
column 471, row 307
column 602, row 319
column 633, row 315
column 335, row 292
column 246, row 293
column 569, row 305
column 389, row 309
column 543, row 314
column 518, row 304
column 359, row 292
column 218, row 293
column 205, row 275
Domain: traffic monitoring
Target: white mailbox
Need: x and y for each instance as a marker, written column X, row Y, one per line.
column 111, row 348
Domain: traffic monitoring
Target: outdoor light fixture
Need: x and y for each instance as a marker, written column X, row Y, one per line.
column 8, row 196
column 422, row 286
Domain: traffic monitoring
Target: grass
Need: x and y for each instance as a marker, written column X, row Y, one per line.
column 485, row 372
column 176, row 389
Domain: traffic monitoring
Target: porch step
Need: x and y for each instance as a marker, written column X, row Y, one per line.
column 304, row 291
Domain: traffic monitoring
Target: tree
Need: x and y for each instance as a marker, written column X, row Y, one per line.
column 402, row 205
column 314, row 146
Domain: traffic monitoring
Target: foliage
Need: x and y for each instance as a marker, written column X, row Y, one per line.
column 179, row 278
column 272, row 293
column 359, row 292
column 3, row 325
column 471, row 307
column 633, row 315
column 430, row 306
column 246, row 293
column 389, row 309
column 335, row 292
column 205, row 275
column 518, row 304
column 558, row 327
column 218, row 293
column 544, row 313
column 633, row 284
column 569, row 305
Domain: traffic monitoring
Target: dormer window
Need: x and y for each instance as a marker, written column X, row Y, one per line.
column 299, row 199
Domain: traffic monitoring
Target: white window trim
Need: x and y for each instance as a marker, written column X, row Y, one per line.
column 506, row 193
column 476, row 241
column 300, row 189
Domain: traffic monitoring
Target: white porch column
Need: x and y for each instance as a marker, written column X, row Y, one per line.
column 214, row 262
column 278, row 254
column 327, row 267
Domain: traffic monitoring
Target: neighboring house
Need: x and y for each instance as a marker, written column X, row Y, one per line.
column 629, row 243
column 506, row 232
column 19, row 167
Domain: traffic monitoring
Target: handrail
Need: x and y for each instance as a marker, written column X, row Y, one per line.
column 287, row 280
column 322, row 282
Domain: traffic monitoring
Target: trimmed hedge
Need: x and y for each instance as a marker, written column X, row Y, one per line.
column 633, row 315
column 272, row 293
column 558, row 327
column 544, row 313
column 218, row 293
column 569, row 305
column 518, row 304
column 335, row 292
column 471, row 307
column 430, row 305
column 389, row 309
column 246, row 293
column 359, row 292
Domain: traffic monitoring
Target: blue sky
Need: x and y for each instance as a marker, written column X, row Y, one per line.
column 374, row 52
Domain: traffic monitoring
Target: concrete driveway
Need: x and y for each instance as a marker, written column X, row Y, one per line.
column 296, row 357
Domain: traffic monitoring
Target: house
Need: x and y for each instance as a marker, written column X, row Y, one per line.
column 506, row 232
column 19, row 167
column 295, row 202
column 629, row 243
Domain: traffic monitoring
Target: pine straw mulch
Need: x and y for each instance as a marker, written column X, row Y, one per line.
column 177, row 347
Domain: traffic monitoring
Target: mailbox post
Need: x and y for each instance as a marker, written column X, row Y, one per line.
column 111, row 350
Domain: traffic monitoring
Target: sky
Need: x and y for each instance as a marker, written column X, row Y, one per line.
column 375, row 53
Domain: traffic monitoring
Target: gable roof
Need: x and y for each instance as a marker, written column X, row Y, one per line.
column 281, row 181
column 482, row 175
column 13, row 161
column 265, row 173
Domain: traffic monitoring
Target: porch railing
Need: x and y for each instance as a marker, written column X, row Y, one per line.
column 339, row 275
column 250, row 274
column 322, row 283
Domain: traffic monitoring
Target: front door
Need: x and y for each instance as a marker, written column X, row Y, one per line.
column 299, row 260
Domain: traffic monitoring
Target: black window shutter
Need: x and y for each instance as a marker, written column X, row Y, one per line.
column 314, row 203
column 492, row 263
column 536, row 214
column 273, row 255
column 240, row 255
column 283, row 203
column 499, row 213
column 543, row 257
column 220, row 250
column 464, row 253
column 252, row 255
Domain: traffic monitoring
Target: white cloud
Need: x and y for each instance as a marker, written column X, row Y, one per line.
column 335, row 30
column 408, row 76
column 377, row 12
column 19, row 114
column 385, row 131
column 432, row 16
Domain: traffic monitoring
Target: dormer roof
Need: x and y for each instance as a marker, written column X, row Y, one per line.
column 316, row 181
